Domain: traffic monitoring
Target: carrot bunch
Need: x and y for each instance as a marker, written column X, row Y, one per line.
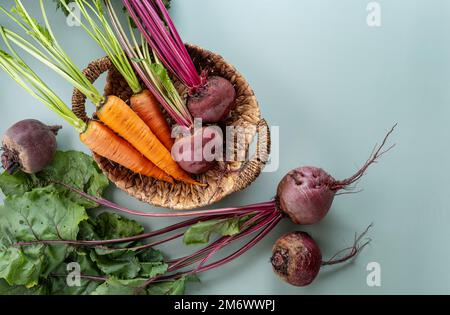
column 128, row 137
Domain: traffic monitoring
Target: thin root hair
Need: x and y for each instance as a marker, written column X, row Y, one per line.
column 376, row 154
column 353, row 251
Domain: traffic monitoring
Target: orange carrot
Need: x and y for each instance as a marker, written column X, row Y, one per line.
column 147, row 107
column 103, row 141
column 118, row 116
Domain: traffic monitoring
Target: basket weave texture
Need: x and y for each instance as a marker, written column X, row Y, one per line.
column 226, row 178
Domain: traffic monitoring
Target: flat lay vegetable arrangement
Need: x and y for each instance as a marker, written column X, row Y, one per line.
column 46, row 222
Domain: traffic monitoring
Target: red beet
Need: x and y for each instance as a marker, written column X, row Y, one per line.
column 214, row 101
column 29, row 145
column 297, row 259
column 198, row 153
column 305, row 194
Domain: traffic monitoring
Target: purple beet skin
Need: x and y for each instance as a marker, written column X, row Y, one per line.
column 305, row 194
column 195, row 158
column 214, row 101
column 296, row 258
column 29, row 145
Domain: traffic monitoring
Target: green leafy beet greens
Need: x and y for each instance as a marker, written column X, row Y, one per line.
column 201, row 232
column 36, row 209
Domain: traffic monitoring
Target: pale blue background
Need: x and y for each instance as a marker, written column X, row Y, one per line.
column 334, row 86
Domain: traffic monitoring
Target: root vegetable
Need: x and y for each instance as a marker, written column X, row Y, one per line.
column 297, row 259
column 29, row 145
column 305, row 194
column 199, row 152
column 210, row 98
column 214, row 101
column 111, row 110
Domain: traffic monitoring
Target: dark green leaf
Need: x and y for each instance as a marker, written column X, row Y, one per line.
column 16, row 184
column 201, row 232
column 112, row 226
column 72, row 168
column 174, row 287
column 87, row 230
column 114, row 286
column 126, row 266
column 6, row 289
column 37, row 215
column 153, row 269
column 59, row 285
column 151, row 255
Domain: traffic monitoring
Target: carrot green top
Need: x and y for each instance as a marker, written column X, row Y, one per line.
column 17, row 69
column 98, row 28
column 48, row 50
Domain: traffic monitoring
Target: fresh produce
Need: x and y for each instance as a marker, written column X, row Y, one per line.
column 147, row 107
column 158, row 81
column 150, row 70
column 28, row 145
column 210, row 98
column 36, row 209
column 63, row 7
column 111, row 110
column 231, row 224
column 213, row 101
column 305, row 194
column 297, row 259
column 96, row 136
column 142, row 102
column 196, row 152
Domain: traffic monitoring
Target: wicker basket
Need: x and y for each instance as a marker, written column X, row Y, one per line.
column 220, row 183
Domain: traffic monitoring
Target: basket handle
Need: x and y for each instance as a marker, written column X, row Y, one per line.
column 93, row 71
column 253, row 168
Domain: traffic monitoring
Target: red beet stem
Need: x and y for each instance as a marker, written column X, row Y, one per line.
column 353, row 250
column 154, row 22
column 229, row 239
column 119, row 240
column 272, row 222
column 82, row 276
column 195, row 257
column 376, row 154
column 180, row 119
column 244, row 249
column 267, row 206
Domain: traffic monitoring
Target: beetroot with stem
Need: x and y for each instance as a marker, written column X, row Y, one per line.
column 29, row 145
column 258, row 219
column 305, row 194
column 213, row 101
column 210, row 98
column 297, row 259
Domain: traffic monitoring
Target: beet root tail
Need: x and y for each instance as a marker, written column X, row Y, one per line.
column 377, row 152
column 352, row 251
